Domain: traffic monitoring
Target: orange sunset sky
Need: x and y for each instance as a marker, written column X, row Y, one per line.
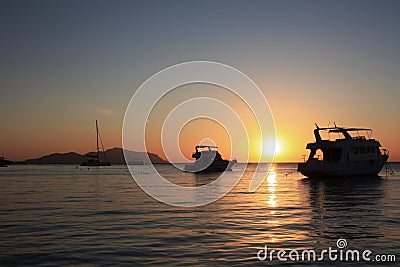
column 63, row 66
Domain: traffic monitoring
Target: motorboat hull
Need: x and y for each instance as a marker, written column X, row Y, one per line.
column 215, row 166
column 320, row 169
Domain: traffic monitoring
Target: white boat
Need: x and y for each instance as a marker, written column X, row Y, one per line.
column 209, row 160
column 356, row 155
column 98, row 158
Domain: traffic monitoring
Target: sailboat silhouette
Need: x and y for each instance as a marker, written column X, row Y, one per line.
column 99, row 158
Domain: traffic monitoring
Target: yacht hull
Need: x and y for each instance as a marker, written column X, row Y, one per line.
column 215, row 166
column 320, row 169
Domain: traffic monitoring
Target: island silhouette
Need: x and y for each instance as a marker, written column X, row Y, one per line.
column 114, row 155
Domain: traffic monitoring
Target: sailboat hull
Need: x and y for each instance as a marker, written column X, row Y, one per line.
column 95, row 162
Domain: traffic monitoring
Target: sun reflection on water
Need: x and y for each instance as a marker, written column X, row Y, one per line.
column 271, row 179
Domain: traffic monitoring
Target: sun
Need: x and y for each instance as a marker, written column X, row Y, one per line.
column 269, row 144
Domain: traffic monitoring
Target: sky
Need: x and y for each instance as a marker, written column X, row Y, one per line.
column 64, row 64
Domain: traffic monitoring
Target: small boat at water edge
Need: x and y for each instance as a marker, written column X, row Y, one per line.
column 347, row 156
column 99, row 158
column 208, row 159
column 3, row 162
column 95, row 162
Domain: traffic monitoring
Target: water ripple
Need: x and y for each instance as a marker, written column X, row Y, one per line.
column 61, row 215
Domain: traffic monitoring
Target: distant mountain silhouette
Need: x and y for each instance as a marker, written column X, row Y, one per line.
column 114, row 155
column 58, row 158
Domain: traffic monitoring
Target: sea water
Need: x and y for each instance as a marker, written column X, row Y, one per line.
column 69, row 215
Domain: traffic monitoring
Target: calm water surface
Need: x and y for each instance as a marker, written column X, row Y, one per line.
column 64, row 215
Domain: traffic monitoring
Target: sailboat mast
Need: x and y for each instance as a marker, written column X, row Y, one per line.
column 97, row 140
